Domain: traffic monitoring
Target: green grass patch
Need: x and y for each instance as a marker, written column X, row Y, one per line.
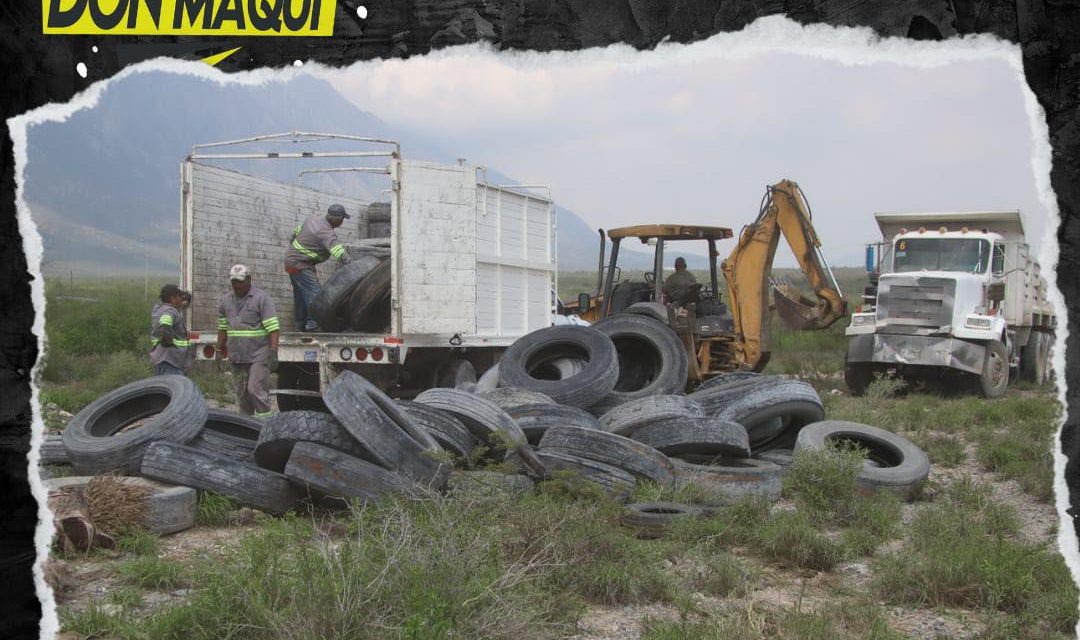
column 151, row 572
column 1027, row 458
column 138, row 542
column 213, row 509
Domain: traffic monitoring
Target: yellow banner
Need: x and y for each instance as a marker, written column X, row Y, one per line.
column 189, row 17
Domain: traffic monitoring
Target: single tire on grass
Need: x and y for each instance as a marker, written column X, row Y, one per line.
column 624, row 419
column 902, row 466
column 101, row 437
column 391, row 438
column 531, row 351
column 654, row 519
column 638, row 459
column 246, row 483
column 486, row 421
column 282, row 431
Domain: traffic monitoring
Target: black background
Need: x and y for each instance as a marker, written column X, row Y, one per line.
column 37, row 69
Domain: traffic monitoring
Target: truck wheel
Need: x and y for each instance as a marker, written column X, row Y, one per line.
column 994, row 379
column 300, row 377
column 858, row 376
column 1034, row 364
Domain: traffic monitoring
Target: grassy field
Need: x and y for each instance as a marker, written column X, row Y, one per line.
column 974, row 558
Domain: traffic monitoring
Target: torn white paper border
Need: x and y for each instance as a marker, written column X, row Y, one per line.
column 774, row 34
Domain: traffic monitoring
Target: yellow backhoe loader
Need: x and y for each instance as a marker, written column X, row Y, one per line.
column 718, row 339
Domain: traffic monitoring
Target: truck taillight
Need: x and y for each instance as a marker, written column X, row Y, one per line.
column 376, row 354
column 208, row 351
column 361, row 353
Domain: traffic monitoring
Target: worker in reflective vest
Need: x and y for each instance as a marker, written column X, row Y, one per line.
column 170, row 350
column 248, row 330
column 313, row 241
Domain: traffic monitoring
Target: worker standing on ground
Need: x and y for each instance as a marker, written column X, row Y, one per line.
column 313, row 241
column 170, row 350
column 681, row 287
column 248, row 329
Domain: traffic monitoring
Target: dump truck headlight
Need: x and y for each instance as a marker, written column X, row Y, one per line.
column 978, row 322
column 862, row 319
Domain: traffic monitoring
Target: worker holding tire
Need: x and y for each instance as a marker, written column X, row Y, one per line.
column 248, row 330
column 313, row 241
column 170, row 350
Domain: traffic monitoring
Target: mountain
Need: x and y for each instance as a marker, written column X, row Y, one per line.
column 103, row 185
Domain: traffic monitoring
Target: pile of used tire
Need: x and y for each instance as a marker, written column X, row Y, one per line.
column 604, row 403
column 357, row 295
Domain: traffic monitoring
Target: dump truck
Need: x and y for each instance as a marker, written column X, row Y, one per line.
column 472, row 264
column 952, row 296
column 721, row 337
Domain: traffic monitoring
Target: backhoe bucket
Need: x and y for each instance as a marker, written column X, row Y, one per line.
column 797, row 311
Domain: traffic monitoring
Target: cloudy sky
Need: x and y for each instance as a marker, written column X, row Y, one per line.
column 693, row 133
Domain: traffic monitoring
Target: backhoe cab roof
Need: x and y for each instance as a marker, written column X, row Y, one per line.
column 645, row 232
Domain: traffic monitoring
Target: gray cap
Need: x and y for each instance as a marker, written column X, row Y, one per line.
column 337, row 211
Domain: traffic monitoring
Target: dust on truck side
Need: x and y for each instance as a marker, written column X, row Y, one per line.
column 952, row 294
column 472, row 264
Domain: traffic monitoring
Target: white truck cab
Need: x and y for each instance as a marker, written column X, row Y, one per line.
column 951, row 292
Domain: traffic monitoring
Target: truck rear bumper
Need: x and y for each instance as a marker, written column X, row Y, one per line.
column 931, row 351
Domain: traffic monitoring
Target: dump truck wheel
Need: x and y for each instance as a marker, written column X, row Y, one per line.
column 994, row 379
column 629, row 455
column 447, row 430
column 95, row 439
column 858, row 376
column 596, row 379
column 282, row 431
column 624, row 419
column 246, row 483
column 902, row 467
column 229, row 434
column 1035, row 362
column 535, row 419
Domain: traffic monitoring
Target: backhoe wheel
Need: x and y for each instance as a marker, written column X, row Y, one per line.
column 994, row 378
column 858, row 376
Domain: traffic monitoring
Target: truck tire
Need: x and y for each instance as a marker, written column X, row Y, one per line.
column 629, row 455
column 717, row 398
column 282, row 431
column 535, row 419
column 858, row 376
column 595, row 380
column 243, row 482
column 794, row 401
column 652, row 520
column 52, row 450
column 447, row 430
column 655, row 310
column 726, row 378
column 391, row 438
column 488, row 484
column 171, row 507
column 229, row 434
column 704, row 436
column 484, row 419
column 624, row 419
column 330, row 473
column 329, row 305
column 725, row 480
column 613, row 480
column 902, row 467
column 368, row 306
column 1035, row 361
column 652, row 360
column 454, row 373
column 509, row 397
column 172, row 407
column 994, row 379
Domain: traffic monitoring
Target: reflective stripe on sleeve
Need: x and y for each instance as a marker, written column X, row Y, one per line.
column 165, row 321
column 337, row 251
column 304, row 250
column 222, row 323
column 271, row 324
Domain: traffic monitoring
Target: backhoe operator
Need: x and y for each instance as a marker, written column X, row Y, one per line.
column 681, row 287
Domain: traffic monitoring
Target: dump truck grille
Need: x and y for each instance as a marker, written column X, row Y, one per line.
column 915, row 301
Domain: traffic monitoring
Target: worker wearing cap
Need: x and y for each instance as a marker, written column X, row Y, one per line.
column 170, row 350
column 313, row 241
column 681, row 286
column 248, row 330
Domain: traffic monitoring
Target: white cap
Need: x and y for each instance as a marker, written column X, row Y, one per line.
column 239, row 272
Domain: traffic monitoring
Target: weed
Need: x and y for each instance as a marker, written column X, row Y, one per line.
column 791, row 538
column 1024, row 457
column 152, row 572
column 942, row 449
column 212, row 509
column 126, row 597
column 138, row 542
column 720, row 574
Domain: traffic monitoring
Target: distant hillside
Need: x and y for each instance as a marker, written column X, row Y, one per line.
column 103, row 185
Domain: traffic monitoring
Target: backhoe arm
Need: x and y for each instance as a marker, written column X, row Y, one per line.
column 748, row 268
